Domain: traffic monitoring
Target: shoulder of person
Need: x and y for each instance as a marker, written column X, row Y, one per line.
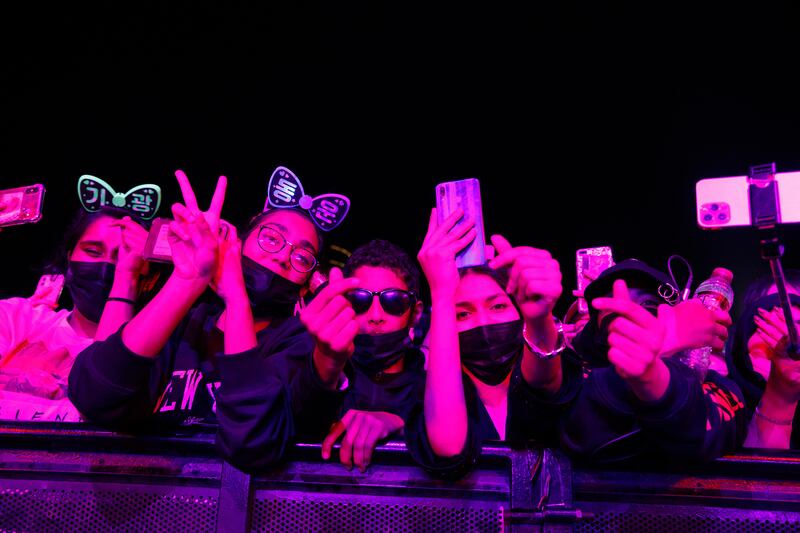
column 23, row 310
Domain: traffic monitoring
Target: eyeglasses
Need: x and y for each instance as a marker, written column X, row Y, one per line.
column 393, row 301
column 270, row 240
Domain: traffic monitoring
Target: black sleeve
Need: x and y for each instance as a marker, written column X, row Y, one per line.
column 534, row 414
column 608, row 422
column 418, row 444
column 675, row 423
column 726, row 416
column 111, row 385
column 267, row 401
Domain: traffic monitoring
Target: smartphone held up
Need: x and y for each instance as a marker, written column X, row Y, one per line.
column 464, row 194
column 22, row 205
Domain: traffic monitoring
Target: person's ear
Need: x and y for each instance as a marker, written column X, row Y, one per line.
column 416, row 313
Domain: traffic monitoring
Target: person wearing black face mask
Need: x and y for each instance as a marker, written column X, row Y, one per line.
column 384, row 367
column 492, row 333
column 239, row 362
column 637, row 400
column 758, row 360
column 101, row 256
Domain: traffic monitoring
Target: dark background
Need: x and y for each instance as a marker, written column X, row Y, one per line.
column 588, row 123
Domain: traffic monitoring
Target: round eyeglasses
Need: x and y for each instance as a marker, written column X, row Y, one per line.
column 272, row 241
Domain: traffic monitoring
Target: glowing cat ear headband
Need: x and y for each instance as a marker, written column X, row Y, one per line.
column 285, row 191
column 142, row 201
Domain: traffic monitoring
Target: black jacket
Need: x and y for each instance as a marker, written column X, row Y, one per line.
column 255, row 396
column 531, row 415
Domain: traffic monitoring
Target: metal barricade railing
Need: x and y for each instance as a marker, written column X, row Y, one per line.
column 74, row 478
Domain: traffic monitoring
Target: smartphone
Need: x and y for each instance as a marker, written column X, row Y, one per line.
column 465, row 194
column 590, row 263
column 22, row 205
column 725, row 202
column 157, row 247
column 48, row 290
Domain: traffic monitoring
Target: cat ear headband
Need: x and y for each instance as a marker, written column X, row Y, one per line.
column 142, row 201
column 285, row 191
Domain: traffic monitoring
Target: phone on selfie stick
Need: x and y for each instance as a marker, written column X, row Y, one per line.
column 763, row 199
column 464, row 194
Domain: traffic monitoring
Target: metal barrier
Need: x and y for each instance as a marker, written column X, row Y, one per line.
column 71, row 478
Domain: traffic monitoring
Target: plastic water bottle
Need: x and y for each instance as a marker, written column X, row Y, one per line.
column 716, row 293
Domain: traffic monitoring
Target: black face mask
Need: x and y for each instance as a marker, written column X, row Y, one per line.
column 89, row 284
column 270, row 294
column 489, row 352
column 376, row 353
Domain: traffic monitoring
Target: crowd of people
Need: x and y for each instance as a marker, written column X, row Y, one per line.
column 233, row 335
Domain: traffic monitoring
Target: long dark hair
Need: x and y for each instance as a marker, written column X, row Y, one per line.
column 760, row 286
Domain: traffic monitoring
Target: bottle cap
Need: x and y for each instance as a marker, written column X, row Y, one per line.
column 723, row 273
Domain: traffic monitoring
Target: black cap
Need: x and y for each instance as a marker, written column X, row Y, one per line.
column 635, row 273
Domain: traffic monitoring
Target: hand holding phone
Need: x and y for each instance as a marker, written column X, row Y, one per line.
column 466, row 195
column 22, row 205
column 48, row 290
column 725, row 202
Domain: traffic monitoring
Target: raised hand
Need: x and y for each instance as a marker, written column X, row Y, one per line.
column 771, row 327
column 132, row 241
column 635, row 336
column 228, row 280
column 437, row 256
column 534, row 277
column 691, row 325
column 193, row 235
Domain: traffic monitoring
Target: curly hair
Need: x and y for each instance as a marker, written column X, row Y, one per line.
column 381, row 253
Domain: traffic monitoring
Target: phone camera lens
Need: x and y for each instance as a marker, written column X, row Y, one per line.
column 722, row 217
column 715, row 207
column 707, row 218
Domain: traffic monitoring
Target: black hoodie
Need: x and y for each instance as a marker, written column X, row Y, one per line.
column 262, row 399
column 608, row 422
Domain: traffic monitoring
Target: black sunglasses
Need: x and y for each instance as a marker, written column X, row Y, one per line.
column 394, row 301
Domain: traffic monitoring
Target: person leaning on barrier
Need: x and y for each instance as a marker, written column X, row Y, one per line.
column 759, row 362
column 104, row 272
column 636, row 399
column 366, row 333
column 242, row 361
column 481, row 318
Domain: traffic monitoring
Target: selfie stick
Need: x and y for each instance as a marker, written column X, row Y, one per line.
column 765, row 214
